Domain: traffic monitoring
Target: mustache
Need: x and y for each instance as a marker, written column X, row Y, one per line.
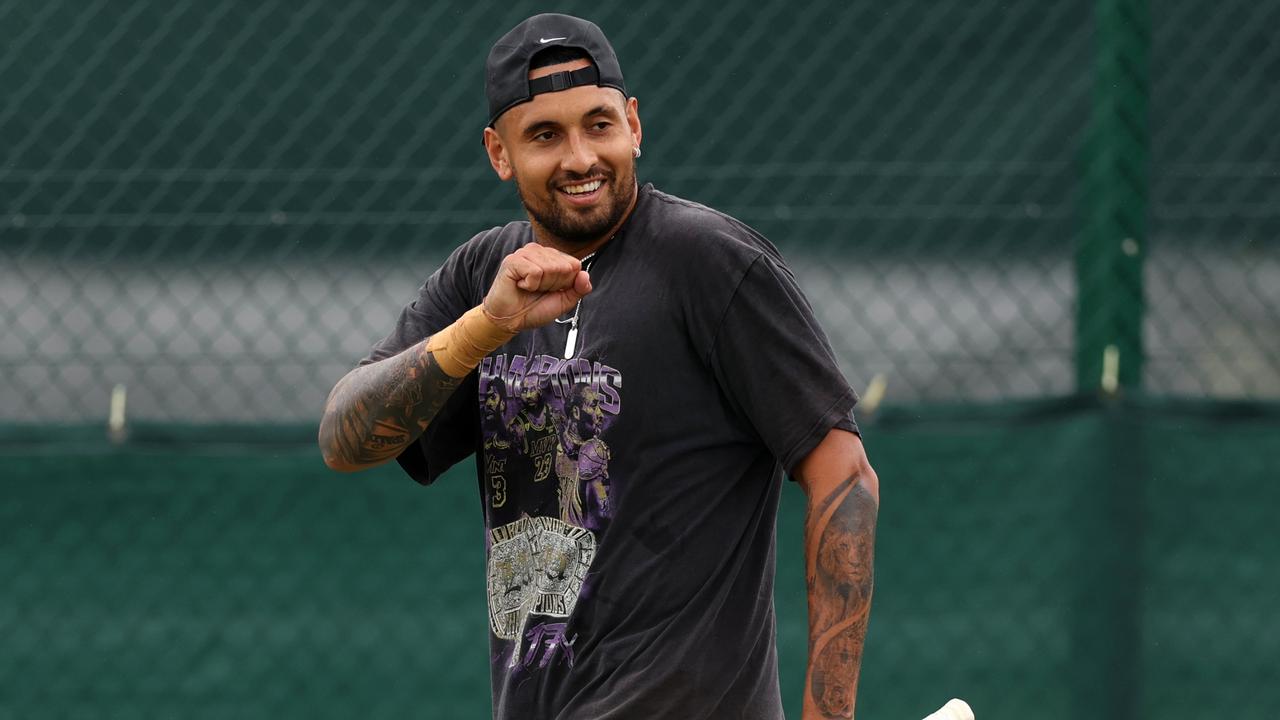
column 570, row 178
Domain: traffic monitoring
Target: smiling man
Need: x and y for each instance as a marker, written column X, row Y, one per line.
column 630, row 526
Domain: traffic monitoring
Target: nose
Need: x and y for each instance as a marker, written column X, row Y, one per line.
column 580, row 156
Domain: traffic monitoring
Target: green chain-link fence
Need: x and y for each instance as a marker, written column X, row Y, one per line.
column 220, row 205
column 996, row 206
column 1213, row 269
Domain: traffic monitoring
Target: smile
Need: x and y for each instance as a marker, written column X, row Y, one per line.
column 583, row 188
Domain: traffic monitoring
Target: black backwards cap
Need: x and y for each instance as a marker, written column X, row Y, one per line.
column 506, row 71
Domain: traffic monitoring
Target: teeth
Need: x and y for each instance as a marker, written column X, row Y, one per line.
column 584, row 188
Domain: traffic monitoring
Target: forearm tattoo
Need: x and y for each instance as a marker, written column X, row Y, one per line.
column 839, row 542
column 377, row 410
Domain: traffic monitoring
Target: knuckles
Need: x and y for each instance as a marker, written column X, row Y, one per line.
column 535, row 261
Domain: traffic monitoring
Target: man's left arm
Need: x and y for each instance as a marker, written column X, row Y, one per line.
column 839, row 539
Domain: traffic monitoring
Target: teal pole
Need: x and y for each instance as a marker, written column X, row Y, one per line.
column 1109, row 257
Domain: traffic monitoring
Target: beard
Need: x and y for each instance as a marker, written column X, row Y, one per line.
column 576, row 226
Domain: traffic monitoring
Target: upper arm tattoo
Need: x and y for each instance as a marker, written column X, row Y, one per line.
column 840, row 539
column 377, row 410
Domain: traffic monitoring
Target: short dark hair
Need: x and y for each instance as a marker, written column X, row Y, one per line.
column 556, row 55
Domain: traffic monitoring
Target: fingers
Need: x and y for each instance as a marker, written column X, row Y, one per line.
column 535, row 268
column 559, row 303
column 534, row 285
column 580, row 288
column 582, row 283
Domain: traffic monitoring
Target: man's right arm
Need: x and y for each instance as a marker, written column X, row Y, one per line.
column 376, row 410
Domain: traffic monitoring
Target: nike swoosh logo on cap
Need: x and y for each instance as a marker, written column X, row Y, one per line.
column 544, row 41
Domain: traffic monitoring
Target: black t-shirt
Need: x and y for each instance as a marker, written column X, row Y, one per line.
column 630, row 490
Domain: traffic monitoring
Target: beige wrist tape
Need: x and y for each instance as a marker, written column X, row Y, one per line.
column 461, row 346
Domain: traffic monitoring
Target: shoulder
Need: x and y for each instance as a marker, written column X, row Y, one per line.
column 488, row 247
column 471, row 267
column 702, row 235
column 705, row 258
column 699, row 238
column 481, row 254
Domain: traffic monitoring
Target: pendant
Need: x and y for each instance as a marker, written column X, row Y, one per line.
column 571, row 342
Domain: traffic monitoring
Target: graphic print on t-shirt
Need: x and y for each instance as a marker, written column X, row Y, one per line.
column 536, row 567
column 547, row 492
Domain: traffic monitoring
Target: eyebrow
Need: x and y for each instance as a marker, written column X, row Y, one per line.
column 540, row 125
column 601, row 110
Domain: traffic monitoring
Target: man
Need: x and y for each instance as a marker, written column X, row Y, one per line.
column 633, row 577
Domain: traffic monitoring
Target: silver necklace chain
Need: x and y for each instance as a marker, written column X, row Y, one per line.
column 586, row 265
column 571, row 340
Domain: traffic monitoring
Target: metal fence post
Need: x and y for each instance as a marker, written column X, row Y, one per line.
column 1109, row 257
column 1109, row 355
column 1106, row 650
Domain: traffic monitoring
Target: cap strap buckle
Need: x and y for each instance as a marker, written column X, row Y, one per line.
column 555, row 82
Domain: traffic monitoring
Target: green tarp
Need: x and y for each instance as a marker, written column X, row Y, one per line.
column 1051, row 559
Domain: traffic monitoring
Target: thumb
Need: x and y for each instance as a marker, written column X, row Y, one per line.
column 569, row 298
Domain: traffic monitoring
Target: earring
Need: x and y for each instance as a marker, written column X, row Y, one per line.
column 636, row 151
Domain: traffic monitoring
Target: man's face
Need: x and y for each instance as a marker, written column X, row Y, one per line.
column 571, row 154
column 530, row 393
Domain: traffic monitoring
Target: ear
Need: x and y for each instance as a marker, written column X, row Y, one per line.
column 633, row 121
column 497, row 154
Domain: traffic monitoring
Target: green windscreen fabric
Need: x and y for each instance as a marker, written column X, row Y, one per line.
column 1053, row 559
column 1211, row 564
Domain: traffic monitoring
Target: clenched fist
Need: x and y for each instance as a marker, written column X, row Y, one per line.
column 535, row 285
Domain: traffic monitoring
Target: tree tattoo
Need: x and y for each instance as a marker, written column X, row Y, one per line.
column 839, row 542
column 378, row 409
